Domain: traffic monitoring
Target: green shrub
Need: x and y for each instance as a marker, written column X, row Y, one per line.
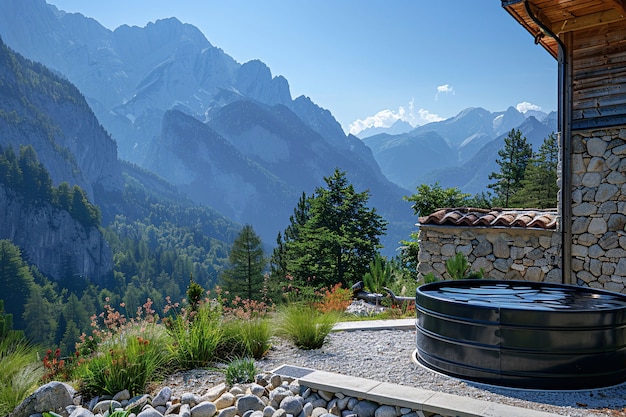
column 197, row 336
column 127, row 360
column 240, row 371
column 20, row 372
column 305, row 326
column 246, row 338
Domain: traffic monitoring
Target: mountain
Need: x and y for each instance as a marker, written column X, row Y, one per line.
column 141, row 82
column 397, row 128
column 253, row 161
column 42, row 110
column 473, row 176
column 437, row 151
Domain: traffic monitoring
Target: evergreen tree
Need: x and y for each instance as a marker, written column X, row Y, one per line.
column 244, row 276
column 429, row 199
column 514, row 158
column 16, row 281
column 41, row 318
column 337, row 236
column 539, row 186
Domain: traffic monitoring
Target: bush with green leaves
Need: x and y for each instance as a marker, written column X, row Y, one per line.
column 305, row 326
column 240, row 371
column 20, row 371
column 379, row 275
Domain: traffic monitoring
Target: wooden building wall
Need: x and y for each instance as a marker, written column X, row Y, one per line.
column 599, row 76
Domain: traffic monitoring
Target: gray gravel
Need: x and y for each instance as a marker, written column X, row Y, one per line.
column 385, row 355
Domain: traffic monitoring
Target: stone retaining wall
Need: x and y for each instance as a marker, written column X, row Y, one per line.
column 502, row 252
column 599, row 208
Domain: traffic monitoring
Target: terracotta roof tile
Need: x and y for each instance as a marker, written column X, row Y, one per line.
column 467, row 216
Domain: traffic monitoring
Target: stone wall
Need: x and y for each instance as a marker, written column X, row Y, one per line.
column 511, row 253
column 599, row 208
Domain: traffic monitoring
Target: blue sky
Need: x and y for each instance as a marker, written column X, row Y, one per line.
column 368, row 61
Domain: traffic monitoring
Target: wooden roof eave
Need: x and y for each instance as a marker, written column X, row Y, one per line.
column 517, row 9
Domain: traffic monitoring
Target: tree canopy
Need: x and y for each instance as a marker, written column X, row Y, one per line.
column 514, row 158
column 332, row 237
column 244, row 275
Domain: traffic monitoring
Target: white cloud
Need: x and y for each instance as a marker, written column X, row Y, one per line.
column 524, row 106
column 428, row 117
column 386, row 118
column 444, row 89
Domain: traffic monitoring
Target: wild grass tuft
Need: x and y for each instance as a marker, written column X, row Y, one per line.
column 247, row 337
column 128, row 360
column 20, row 372
column 197, row 338
column 305, row 326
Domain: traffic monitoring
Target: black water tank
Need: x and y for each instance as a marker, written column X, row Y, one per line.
column 523, row 334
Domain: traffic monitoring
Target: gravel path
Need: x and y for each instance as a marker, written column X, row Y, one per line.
column 385, row 355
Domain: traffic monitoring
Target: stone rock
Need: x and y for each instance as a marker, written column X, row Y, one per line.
column 54, row 396
column 256, row 389
column 268, row 411
column 228, row 412
column 276, row 380
column 81, row 412
column 227, row 399
column 352, row 402
column 279, row 413
column 256, row 414
column 484, row 248
column 173, row 409
column 365, row 408
column 149, row 412
column 204, row 409
column 385, row 411
column 136, row 404
column 122, row 395
column 191, row 399
column 597, row 226
column 105, row 405
column 584, row 209
column 162, row 397
column 319, row 411
column 249, row 402
column 261, row 380
column 185, row 411
column 280, row 393
column 236, row 390
column 292, row 405
column 214, row 393
column 501, row 248
column 307, row 409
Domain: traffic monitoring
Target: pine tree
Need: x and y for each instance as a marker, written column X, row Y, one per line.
column 514, row 158
column 340, row 235
column 16, row 281
column 244, row 276
column 539, row 186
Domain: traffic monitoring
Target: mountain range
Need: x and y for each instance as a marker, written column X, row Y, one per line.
column 196, row 124
column 250, row 150
column 457, row 152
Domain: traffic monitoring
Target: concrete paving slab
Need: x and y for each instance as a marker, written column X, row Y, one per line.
column 400, row 395
column 403, row 396
column 348, row 385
